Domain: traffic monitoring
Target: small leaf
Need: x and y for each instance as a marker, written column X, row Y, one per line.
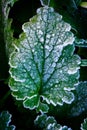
column 5, row 119
column 31, row 102
column 80, row 103
column 84, row 125
column 43, row 108
column 42, row 65
column 48, row 123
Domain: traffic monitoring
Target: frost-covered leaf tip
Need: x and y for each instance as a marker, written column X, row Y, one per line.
column 49, row 123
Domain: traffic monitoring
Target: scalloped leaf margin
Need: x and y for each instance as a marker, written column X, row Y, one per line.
column 43, row 68
column 49, row 123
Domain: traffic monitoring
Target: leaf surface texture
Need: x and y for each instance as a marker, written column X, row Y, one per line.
column 43, row 68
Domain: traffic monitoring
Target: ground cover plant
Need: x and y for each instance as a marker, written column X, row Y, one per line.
column 43, row 64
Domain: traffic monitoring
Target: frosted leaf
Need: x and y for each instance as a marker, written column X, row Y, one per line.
column 42, row 66
column 49, row 123
column 84, row 125
column 80, row 103
column 7, row 31
column 5, row 119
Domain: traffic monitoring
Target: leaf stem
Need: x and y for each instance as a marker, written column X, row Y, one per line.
column 4, row 98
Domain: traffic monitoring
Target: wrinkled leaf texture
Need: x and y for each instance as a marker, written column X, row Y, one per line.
column 43, row 68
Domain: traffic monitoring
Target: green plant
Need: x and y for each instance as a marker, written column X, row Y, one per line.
column 45, row 66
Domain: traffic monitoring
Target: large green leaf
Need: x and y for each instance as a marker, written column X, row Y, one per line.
column 49, row 123
column 43, row 68
column 5, row 119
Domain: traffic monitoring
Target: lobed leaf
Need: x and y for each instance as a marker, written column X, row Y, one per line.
column 49, row 123
column 5, row 119
column 43, row 68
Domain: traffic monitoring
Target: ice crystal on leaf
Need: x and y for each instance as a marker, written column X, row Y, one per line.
column 43, row 68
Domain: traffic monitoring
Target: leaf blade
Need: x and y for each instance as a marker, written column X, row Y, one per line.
column 42, row 62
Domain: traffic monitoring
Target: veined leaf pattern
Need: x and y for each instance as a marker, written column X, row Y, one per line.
column 43, row 68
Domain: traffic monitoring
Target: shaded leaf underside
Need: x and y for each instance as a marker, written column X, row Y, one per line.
column 43, row 67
